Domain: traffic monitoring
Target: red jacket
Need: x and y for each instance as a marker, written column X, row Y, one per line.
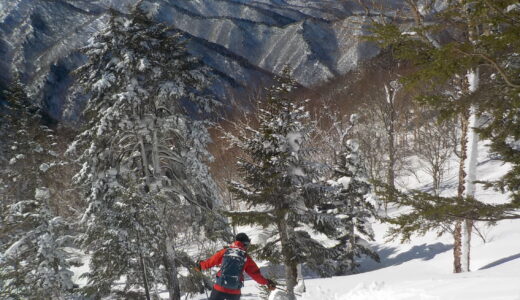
column 250, row 267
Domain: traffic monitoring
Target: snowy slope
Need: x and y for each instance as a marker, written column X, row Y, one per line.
column 422, row 269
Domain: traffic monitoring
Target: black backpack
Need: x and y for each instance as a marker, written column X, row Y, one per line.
column 230, row 274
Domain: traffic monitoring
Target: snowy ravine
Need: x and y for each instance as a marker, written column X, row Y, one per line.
column 244, row 41
column 422, row 269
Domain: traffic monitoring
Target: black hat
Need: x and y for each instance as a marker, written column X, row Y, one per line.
column 243, row 238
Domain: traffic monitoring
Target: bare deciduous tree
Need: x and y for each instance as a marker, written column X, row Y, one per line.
column 383, row 133
column 434, row 143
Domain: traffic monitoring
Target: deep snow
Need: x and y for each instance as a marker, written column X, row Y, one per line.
column 422, row 268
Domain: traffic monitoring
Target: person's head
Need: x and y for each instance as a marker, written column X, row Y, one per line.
column 243, row 238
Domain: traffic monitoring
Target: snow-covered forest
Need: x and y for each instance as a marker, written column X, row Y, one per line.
column 370, row 149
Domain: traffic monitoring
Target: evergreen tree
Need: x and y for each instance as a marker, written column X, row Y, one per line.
column 23, row 138
column 33, row 237
column 35, row 264
column 485, row 37
column 279, row 183
column 31, row 158
column 143, row 156
column 349, row 200
column 466, row 56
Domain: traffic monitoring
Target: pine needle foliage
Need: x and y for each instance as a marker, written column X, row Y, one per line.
column 436, row 213
column 442, row 46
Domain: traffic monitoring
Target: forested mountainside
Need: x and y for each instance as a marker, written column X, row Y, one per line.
column 138, row 138
column 244, row 41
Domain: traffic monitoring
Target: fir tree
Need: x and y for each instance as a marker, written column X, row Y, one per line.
column 471, row 69
column 23, row 137
column 31, row 158
column 143, row 156
column 279, row 183
column 33, row 239
column 349, row 200
column 35, row 263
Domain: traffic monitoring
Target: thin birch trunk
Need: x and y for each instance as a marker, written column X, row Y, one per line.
column 473, row 77
column 471, row 168
column 457, row 234
column 457, row 247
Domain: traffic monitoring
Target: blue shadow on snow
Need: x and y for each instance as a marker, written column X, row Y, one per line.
column 500, row 261
column 423, row 252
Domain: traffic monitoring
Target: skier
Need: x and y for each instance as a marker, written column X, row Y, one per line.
column 234, row 261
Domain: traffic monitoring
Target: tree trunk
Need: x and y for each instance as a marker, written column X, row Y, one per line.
column 156, row 157
column 390, row 105
column 466, row 245
column 457, row 247
column 170, row 266
column 291, row 270
column 58, row 295
column 143, row 268
column 301, row 287
column 144, row 160
column 473, row 80
column 471, row 177
column 390, row 178
column 457, row 235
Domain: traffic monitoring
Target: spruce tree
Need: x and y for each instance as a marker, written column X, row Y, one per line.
column 349, row 200
column 279, row 183
column 34, row 262
column 30, row 154
column 143, row 156
column 24, row 138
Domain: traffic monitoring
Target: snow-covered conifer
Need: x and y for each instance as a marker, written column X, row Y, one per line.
column 142, row 155
column 279, row 182
column 349, row 200
column 35, row 263
column 23, row 141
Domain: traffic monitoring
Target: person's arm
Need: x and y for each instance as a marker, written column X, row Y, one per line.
column 215, row 260
column 252, row 270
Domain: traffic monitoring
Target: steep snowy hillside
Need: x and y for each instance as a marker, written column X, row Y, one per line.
column 245, row 41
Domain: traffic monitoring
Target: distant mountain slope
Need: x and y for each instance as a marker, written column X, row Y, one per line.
column 245, row 41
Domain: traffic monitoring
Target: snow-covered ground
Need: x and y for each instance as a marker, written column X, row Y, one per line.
column 422, row 269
